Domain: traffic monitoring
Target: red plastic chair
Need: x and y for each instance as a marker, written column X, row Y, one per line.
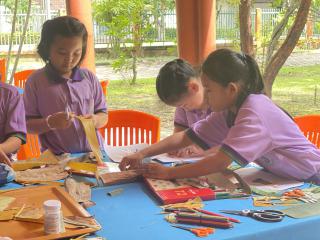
column 20, row 78
column 310, row 126
column 104, row 85
column 126, row 127
column 2, row 70
column 31, row 149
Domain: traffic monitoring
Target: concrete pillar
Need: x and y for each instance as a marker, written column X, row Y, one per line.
column 83, row 12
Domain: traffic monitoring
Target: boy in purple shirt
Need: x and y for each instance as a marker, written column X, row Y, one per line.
column 12, row 122
column 179, row 85
column 258, row 131
column 60, row 90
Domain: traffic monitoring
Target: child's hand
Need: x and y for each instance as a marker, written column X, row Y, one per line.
column 155, row 170
column 4, row 158
column 133, row 161
column 60, row 120
column 190, row 151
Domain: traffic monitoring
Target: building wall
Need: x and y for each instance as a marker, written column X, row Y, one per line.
column 54, row 4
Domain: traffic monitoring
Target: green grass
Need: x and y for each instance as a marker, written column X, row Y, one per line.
column 297, row 89
column 294, row 90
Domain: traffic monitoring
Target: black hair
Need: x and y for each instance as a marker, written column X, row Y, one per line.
column 225, row 66
column 172, row 80
column 64, row 26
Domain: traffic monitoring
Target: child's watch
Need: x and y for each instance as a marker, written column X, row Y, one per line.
column 48, row 124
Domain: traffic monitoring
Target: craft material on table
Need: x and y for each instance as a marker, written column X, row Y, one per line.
column 91, row 135
column 261, row 215
column 32, row 176
column 119, row 177
column 268, row 201
column 116, row 153
column 115, row 192
column 80, row 191
column 199, row 232
column 46, row 158
column 226, row 185
column 192, row 203
column 199, row 219
column 5, row 202
column 300, row 195
column 303, row 210
column 34, row 197
column 263, row 180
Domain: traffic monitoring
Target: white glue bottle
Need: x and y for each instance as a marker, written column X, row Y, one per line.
column 53, row 219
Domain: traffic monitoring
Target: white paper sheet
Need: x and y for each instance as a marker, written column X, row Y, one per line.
column 266, row 181
column 117, row 153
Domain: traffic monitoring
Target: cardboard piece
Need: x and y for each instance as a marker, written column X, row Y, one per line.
column 34, row 197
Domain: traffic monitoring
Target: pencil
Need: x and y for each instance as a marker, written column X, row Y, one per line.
column 216, row 214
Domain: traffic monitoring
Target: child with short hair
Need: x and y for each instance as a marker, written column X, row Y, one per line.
column 12, row 122
column 62, row 89
column 179, row 85
column 258, row 131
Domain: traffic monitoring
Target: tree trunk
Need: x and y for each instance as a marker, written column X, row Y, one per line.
column 287, row 47
column 25, row 27
column 278, row 30
column 13, row 29
column 246, row 38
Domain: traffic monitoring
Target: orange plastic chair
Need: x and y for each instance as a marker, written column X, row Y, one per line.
column 31, row 149
column 126, row 127
column 310, row 126
column 2, row 70
column 20, row 78
column 104, row 85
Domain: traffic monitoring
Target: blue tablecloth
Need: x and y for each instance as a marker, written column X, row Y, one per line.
column 134, row 214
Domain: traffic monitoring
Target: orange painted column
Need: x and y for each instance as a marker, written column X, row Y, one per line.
column 196, row 28
column 207, row 28
column 83, row 12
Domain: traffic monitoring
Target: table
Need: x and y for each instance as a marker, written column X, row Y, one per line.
column 134, row 214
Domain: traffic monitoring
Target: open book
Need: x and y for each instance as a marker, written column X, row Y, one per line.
column 117, row 153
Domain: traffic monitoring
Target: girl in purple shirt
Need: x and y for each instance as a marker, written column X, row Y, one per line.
column 12, row 122
column 179, row 85
column 60, row 90
column 257, row 130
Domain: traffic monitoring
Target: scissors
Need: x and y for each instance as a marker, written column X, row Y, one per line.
column 199, row 232
column 261, row 215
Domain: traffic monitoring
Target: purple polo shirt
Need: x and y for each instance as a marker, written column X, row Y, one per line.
column 12, row 120
column 46, row 93
column 264, row 134
column 185, row 119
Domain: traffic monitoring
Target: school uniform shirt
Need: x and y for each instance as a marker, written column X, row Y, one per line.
column 46, row 93
column 12, row 114
column 185, row 119
column 264, row 134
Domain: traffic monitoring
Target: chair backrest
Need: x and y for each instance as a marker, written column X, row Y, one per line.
column 31, row 149
column 310, row 126
column 20, row 78
column 2, row 70
column 126, row 127
column 104, row 85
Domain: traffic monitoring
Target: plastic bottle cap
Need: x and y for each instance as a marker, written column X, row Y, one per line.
column 52, row 205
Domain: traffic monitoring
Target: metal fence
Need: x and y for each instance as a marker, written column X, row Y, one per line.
column 227, row 26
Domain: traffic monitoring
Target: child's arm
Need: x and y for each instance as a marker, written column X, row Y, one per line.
column 4, row 158
column 59, row 120
column 211, row 164
column 100, row 119
column 175, row 141
column 11, row 145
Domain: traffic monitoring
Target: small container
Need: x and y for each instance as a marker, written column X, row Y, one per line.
column 53, row 219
